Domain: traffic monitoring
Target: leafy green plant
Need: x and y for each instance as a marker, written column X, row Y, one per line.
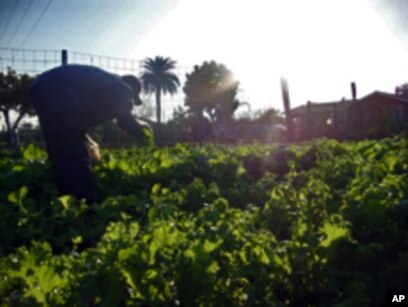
column 321, row 223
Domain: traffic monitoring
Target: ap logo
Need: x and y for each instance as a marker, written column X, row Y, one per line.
column 398, row 298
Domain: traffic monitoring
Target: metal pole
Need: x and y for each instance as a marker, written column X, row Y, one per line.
column 64, row 57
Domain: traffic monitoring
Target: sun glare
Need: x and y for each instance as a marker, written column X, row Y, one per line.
column 319, row 46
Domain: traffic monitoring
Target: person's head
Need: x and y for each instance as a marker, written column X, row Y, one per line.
column 135, row 85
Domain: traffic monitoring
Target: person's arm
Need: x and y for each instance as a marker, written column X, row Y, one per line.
column 132, row 126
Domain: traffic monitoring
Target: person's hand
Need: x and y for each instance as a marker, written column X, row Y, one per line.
column 139, row 129
column 93, row 149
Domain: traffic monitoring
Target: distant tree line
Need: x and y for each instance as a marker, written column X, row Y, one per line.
column 402, row 90
column 207, row 115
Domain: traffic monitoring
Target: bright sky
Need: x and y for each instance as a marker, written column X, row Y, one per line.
column 319, row 46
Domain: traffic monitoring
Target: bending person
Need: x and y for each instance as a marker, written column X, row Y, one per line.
column 69, row 99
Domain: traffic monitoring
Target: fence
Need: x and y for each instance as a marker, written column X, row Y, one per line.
column 36, row 61
column 29, row 61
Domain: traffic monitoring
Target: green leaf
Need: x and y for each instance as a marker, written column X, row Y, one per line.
column 189, row 253
column 332, row 232
column 77, row 240
column 16, row 197
column 65, row 200
column 151, row 274
column 48, row 279
column 133, row 230
column 148, row 140
column 211, row 246
column 33, row 153
column 156, row 188
column 152, row 214
column 213, row 268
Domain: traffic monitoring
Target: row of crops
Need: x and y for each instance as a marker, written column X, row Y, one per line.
column 316, row 224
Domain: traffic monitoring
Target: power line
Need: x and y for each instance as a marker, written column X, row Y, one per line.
column 36, row 23
column 19, row 22
column 9, row 18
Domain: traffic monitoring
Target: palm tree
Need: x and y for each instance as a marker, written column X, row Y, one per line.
column 158, row 78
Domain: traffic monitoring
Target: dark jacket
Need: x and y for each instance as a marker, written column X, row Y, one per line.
column 91, row 93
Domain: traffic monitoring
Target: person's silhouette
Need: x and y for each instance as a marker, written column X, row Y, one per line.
column 69, row 99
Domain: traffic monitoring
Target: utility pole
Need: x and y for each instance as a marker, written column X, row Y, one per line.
column 288, row 114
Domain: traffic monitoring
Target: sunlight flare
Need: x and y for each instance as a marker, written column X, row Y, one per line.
column 319, row 46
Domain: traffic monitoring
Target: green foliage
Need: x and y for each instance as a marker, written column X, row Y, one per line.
column 149, row 138
column 319, row 224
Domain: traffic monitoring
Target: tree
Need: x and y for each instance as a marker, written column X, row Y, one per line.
column 402, row 90
column 270, row 116
column 14, row 96
column 212, row 89
column 158, row 78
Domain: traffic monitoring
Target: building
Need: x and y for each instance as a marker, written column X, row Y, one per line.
column 376, row 115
